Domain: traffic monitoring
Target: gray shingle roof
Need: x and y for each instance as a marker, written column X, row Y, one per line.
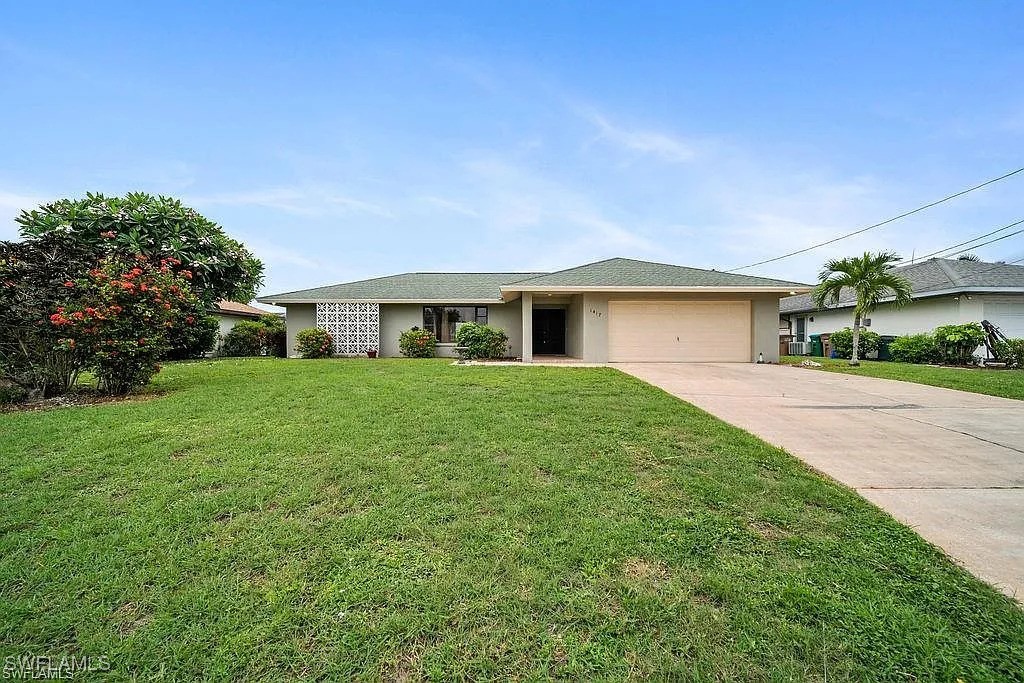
column 484, row 287
column 624, row 272
column 929, row 277
column 448, row 287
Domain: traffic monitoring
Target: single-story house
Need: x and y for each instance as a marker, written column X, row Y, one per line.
column 946, row 291
column 230, row 313
column 613, row 310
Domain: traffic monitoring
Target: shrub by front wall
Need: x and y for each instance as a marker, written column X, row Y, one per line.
column 314, row 342
column 482, row 341
column 842, row 343
column 1011, row 352
column 914, row 348
column 417, row 343
column 957, row 343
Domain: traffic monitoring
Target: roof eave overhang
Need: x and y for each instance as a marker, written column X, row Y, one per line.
column 922, row 295
column 438, row 302
column 512, row 292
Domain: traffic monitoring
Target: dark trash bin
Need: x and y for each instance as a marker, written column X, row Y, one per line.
column 816, row 348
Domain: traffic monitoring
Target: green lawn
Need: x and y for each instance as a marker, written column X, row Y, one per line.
column 1005, row 383
column 396, row 519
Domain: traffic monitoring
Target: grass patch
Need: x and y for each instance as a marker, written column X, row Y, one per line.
column 396, row 519
column 1005, row 383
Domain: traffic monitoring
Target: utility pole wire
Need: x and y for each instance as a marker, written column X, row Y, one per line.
column 975, row 246
column 880, row 224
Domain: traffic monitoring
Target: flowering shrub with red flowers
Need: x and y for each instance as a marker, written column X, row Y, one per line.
column 314, row 342
column 417, row 343
column 126, row 311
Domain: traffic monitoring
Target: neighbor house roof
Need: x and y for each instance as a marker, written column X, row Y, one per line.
column 612, row 274
column 633, row 275
column 419, row 287
column 235, row 308
column 934, row 277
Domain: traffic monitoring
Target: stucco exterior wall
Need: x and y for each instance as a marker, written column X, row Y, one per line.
column 508, row 317
column 763, row 325
column 396, row 318
column 764, row 314
column 574, row 338
column 298, row 317
column 923, row 315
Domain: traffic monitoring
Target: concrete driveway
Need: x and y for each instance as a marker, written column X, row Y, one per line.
column 948, row 463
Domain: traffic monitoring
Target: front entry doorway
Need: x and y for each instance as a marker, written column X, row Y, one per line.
column 549, row 331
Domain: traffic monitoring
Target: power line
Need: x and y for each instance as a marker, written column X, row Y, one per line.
column 973, row 239
column 975, row 246
column 880, row 224
column 997, row 266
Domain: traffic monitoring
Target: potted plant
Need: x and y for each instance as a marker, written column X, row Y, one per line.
column 371, row 353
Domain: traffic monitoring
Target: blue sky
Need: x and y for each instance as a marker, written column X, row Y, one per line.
column 345, row 140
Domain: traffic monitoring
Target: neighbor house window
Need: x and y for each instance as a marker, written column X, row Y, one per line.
column 801, row 329
column 444, row 320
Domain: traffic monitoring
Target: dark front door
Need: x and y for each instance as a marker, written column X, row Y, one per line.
column 549, row 331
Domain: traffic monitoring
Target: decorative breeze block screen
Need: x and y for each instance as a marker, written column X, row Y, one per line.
column 355, row 327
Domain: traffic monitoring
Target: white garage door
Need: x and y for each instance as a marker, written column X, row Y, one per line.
column 1009, row 317
column 679, row 331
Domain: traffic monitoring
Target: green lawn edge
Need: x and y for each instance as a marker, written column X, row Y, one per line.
column 990, row 381
column 283, row 519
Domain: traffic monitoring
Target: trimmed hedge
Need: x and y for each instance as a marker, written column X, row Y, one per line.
column 914, row 348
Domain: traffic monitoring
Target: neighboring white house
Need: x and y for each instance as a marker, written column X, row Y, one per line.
column 230, row 313
column 945, row 292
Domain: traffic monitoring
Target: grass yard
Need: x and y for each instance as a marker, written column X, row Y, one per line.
column 396, row 519
column 1005, row 383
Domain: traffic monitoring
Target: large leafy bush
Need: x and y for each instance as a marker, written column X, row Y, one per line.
column 263, row 337
column 314, row 342
column 70, row 253
column 482, row 341
column 244, row 339
column 957, row 343
column 914, row 348
column 195, row 340
column 417, row 343
column 275, row 335
column 842, row 343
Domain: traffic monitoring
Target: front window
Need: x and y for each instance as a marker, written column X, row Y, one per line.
column 443, row 321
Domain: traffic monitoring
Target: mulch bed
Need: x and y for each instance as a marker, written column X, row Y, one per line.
column 81, row 397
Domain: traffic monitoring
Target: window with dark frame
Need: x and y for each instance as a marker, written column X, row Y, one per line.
column 442, row 321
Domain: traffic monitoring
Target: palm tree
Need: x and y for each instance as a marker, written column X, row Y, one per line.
column 871, row 278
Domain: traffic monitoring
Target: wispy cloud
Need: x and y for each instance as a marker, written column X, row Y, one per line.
column 300, row 201
column 659, row 144
column 544, row 222
column 452, row 206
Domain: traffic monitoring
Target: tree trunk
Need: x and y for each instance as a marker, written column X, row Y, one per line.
column 855, row 357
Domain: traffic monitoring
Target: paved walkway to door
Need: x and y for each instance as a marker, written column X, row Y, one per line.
column 948, row 463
